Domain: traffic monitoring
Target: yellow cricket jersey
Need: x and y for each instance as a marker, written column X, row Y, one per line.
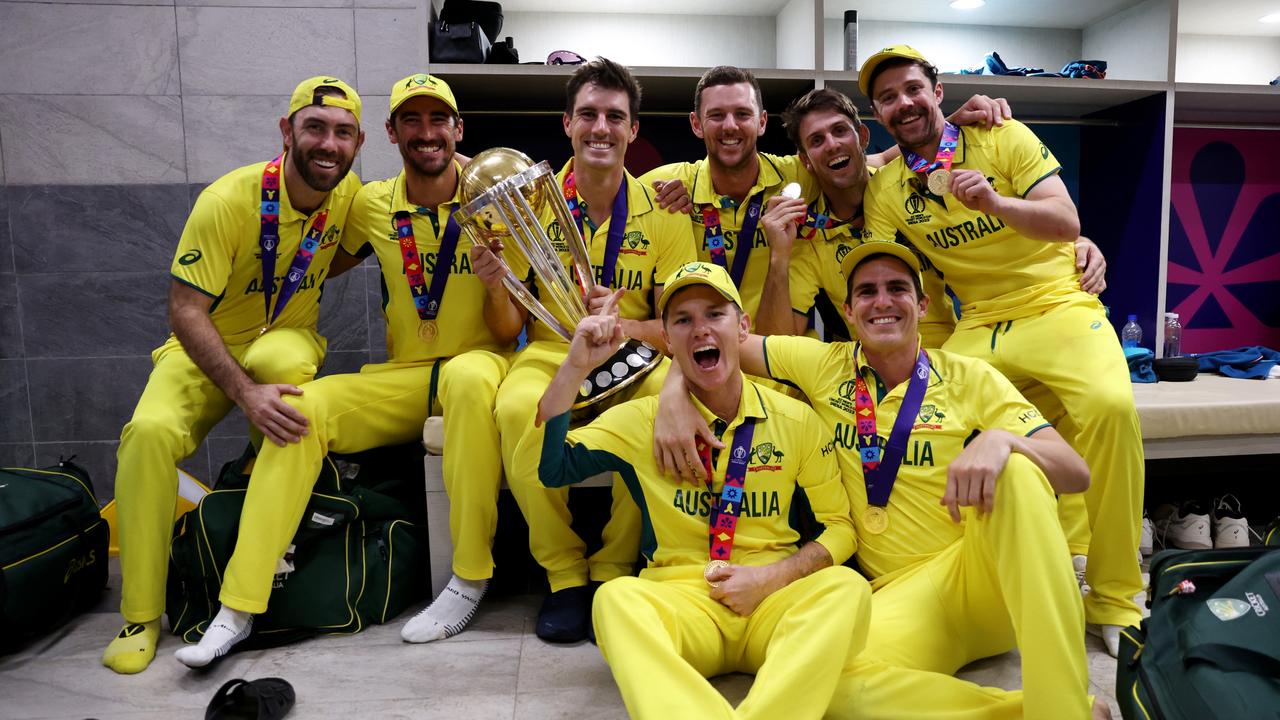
column 792, row 481
column 776, row 172
column 219, row 254
column 995, row 272
column 460, row 322
column 815, row 267
column 654, row 245
column 965, row 395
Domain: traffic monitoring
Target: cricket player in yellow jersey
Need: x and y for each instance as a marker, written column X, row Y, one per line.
column 243, row 304
column 442, row 353
column 730, row 186
column 632, row 244
column 732, row 584
column 951, row 476
column 988, row 210
column 807, row 240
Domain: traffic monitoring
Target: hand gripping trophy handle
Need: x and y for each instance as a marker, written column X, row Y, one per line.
column 507, row 197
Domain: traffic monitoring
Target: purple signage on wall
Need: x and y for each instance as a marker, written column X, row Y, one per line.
column 1224, row 238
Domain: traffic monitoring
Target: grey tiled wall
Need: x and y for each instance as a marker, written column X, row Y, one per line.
column 113, row 115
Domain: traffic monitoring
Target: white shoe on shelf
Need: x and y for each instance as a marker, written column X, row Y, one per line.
column 1230, row 527
column 1186, row 526
column 1146, row 541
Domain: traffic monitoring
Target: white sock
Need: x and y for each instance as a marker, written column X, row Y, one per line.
column 228, row 628
column 448, row 614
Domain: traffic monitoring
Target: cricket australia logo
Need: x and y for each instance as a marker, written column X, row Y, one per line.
column 634, row 243
column 767, row 456
column 930, row 417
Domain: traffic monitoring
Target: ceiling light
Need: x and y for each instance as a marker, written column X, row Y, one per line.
column 1272, row 18
column 967, row 4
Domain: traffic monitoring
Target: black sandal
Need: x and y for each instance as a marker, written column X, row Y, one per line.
column 262, row 699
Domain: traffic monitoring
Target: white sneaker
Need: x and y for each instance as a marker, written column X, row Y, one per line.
column 1080, row 562
column 1146, row 541
column 1187, row 527
column 1230, row 528
column 1110, row 635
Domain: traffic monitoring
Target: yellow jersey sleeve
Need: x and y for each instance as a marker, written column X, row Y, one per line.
column 365, row 211
column 682, row 171
column 805, row 278
column 1024, row 159
column 208, row 247
column 805, row 362
column 819, row 477
column 877, row 204
column 673, row 244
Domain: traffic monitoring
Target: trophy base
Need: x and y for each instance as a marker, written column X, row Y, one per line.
column 623, row 369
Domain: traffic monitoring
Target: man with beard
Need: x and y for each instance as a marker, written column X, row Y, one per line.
column 227, row 348
column 632, row 246
column 989, row 211
column 437, row 338
column 808, row 240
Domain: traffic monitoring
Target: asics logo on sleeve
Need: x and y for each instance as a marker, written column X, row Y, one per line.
column 191, row 257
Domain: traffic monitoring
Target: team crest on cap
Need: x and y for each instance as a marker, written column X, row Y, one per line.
column 421, row 79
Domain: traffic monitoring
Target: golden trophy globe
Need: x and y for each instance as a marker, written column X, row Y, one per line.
column 507, row 197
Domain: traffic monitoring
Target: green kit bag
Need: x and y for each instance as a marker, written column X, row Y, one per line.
column 53, row 549
column 356, row 559
column 1211, row 648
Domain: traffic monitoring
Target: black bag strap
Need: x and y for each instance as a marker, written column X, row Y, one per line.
column 1234, row 659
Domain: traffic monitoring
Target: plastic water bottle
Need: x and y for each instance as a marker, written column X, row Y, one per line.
column 1131, row 333
column 1172, row 336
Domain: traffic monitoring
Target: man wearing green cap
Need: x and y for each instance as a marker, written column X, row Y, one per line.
column 987, row 209
column 243, row 304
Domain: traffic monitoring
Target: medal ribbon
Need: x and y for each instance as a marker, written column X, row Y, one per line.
column 723, row 523
column 617, row 223
column 427, row 302
column 815, row 221
column 269, row 242
column 946, row 152
column 715, row 236
column 880, row 465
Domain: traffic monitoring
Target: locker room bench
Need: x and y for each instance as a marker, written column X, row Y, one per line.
column 1210, row 416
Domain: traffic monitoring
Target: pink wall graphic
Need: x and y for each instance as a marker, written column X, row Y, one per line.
column 1224, row 238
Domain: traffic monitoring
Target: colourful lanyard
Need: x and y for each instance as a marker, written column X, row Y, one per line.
column 880, row 465
column 426, row 301
column 617, row 223
column 815, row 221
column 269, row 241
column 746, row 237
column 946, row 152
column 724, row 514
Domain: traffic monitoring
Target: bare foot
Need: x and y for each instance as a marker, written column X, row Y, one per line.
column 1101, row 710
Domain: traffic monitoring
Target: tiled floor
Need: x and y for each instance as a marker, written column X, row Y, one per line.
column 496, row 669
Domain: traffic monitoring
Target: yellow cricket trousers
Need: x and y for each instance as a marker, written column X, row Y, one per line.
column 1006, row 581
column 551, row 540
column 1073, row 514
column 383, row 404
column 662, row 634
column 1073, row 351
column 178, row 407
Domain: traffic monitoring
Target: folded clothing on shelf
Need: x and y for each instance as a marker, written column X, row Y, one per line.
column 1139, row 359
column 994, row 65
column 1250, row 362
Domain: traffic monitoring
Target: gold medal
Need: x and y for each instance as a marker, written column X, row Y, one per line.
column 875, row 519
column 428, row 331
column 940, row 181
column 710, row 568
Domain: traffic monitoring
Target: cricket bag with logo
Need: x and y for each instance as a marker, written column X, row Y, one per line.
column 359, row 556
column 1211, row 648
column 53, row 549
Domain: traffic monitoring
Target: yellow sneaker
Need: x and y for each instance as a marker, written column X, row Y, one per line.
column 134, row 648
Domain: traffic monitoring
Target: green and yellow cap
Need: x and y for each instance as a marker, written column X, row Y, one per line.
column 880, row 247
column 890, row 53
column 422, row 84
column 699, row 273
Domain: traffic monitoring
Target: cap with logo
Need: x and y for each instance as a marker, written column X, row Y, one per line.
column 880, row 247
column 890, row 53
column 424, row 85
column 305, row 94
column 699, row 273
